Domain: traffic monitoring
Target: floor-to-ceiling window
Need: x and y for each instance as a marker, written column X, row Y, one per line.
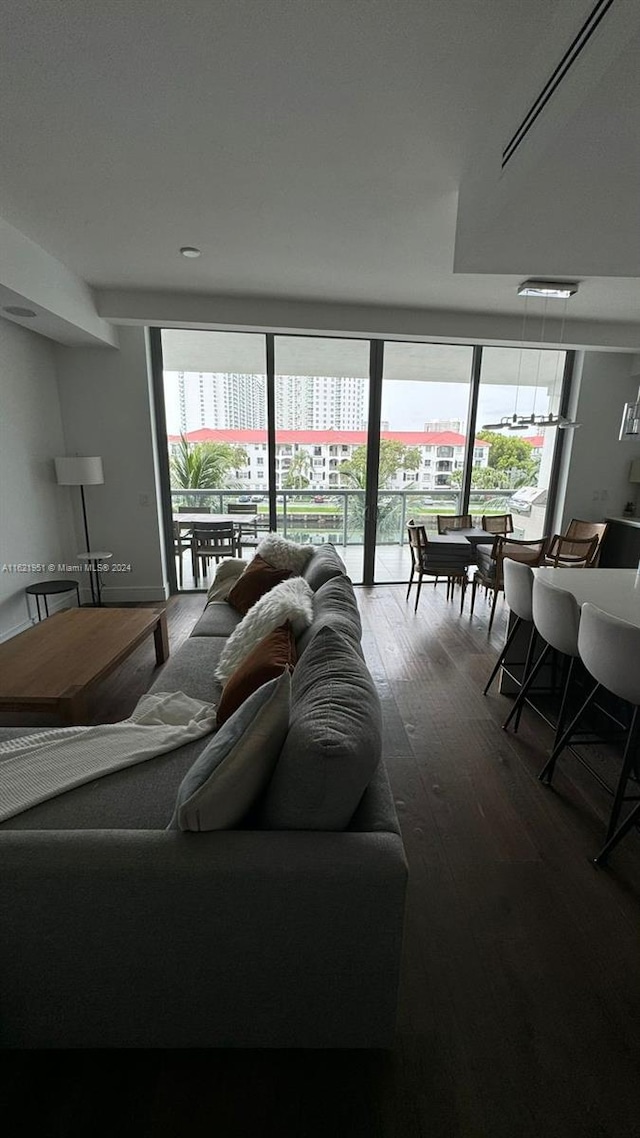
column 276, row 428
column 519, row 390
column 215, row 398
column 423, row 438
column 321, row 411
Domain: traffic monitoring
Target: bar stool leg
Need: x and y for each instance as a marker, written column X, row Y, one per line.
column 546, row 774
column 628, row 760
column 631, row 820
column 524, row 690
column 508, row 643
column 563, row 704
column 527, row 668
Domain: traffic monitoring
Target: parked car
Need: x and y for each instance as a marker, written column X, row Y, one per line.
column 244, row 498
column 256, row 498
column 319, row 498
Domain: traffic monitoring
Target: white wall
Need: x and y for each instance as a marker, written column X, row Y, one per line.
column 106, row 410
column 595, row 472
column 35, row 513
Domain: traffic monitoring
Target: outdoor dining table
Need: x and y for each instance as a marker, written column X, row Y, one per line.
column 474, row 536
column 187, row 520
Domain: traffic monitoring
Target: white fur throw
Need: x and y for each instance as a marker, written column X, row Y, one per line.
column 284, row 554
column 290, row 600
column 226, row 575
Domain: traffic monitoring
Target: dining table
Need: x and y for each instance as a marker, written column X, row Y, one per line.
column 186, row 520
column 474, row 535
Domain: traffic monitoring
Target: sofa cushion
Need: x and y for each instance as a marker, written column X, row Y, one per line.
column 334, row 605
column 235, row 766
column 274, row 654
column 291, row 600
column 192, row 669
column 226, row 574
column 284, row 554
column 334, row 741
column 141, row 797
column 258, row 578
column 218, row 619
column 323, row 565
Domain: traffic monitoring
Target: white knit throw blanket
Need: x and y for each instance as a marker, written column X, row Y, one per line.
column 40, row 766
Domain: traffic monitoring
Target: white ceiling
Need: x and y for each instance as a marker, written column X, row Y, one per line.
column 321, row 151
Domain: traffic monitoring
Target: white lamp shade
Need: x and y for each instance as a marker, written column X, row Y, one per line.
column 77, row 471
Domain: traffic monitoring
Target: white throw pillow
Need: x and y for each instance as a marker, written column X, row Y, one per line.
column 290, row 600
column 226, row 575
column 284, row 554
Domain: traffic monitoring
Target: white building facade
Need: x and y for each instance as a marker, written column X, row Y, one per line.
column 440, row 453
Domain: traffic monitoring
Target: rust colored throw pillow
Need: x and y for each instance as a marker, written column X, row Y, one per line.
column 268, row 660
column 258, row 578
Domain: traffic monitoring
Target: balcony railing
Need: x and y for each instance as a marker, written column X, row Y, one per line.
column 338, row 516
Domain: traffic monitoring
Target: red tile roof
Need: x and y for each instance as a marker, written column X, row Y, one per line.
column 318, row 438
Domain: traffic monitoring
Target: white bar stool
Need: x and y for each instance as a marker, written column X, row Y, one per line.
column 556, row 618
column 609, row 649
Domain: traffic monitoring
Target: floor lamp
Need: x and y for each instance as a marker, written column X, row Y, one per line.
column 77, row 471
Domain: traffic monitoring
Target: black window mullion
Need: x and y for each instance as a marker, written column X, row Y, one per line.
column 474, row 392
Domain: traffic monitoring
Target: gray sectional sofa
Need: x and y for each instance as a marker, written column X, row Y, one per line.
column 118, row 932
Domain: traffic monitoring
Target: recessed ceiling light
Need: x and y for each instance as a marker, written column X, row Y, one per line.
column 556, row 290
column 16, row 310
column 190, row 251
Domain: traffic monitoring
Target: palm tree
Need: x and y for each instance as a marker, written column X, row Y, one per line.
column 299, row 473
column 204, row 466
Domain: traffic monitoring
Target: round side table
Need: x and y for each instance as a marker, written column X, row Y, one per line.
column 92, row 560
column 46, row 589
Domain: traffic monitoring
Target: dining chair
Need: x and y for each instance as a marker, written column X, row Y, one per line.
column 609, row 649
column 449, row 523
column 497, row 523
column 571, row 552
column 580, row 529
column 490, row 562
column 249, row 534
column 438, row 561
column 211, row 540
column 181, row 544
column 518, row 593
column 556, row 620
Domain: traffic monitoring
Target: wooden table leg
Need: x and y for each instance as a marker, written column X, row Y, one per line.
column 161, row 639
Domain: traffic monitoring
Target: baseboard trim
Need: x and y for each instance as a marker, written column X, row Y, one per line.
column 112, row 594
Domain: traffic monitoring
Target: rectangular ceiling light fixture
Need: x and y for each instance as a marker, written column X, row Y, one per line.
column 556, row 290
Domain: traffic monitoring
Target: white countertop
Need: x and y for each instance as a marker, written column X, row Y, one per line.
column 616, row 591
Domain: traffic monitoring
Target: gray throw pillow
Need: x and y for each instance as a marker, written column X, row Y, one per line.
column 324, row 564
column 334, row 741
column 234, row 768
column 334, row 605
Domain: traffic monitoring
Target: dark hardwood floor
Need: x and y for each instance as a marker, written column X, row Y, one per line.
column 520, row 995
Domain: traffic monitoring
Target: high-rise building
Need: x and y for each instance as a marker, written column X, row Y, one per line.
column 233, row 401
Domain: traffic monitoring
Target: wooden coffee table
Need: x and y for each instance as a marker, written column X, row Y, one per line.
column 53, row 666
